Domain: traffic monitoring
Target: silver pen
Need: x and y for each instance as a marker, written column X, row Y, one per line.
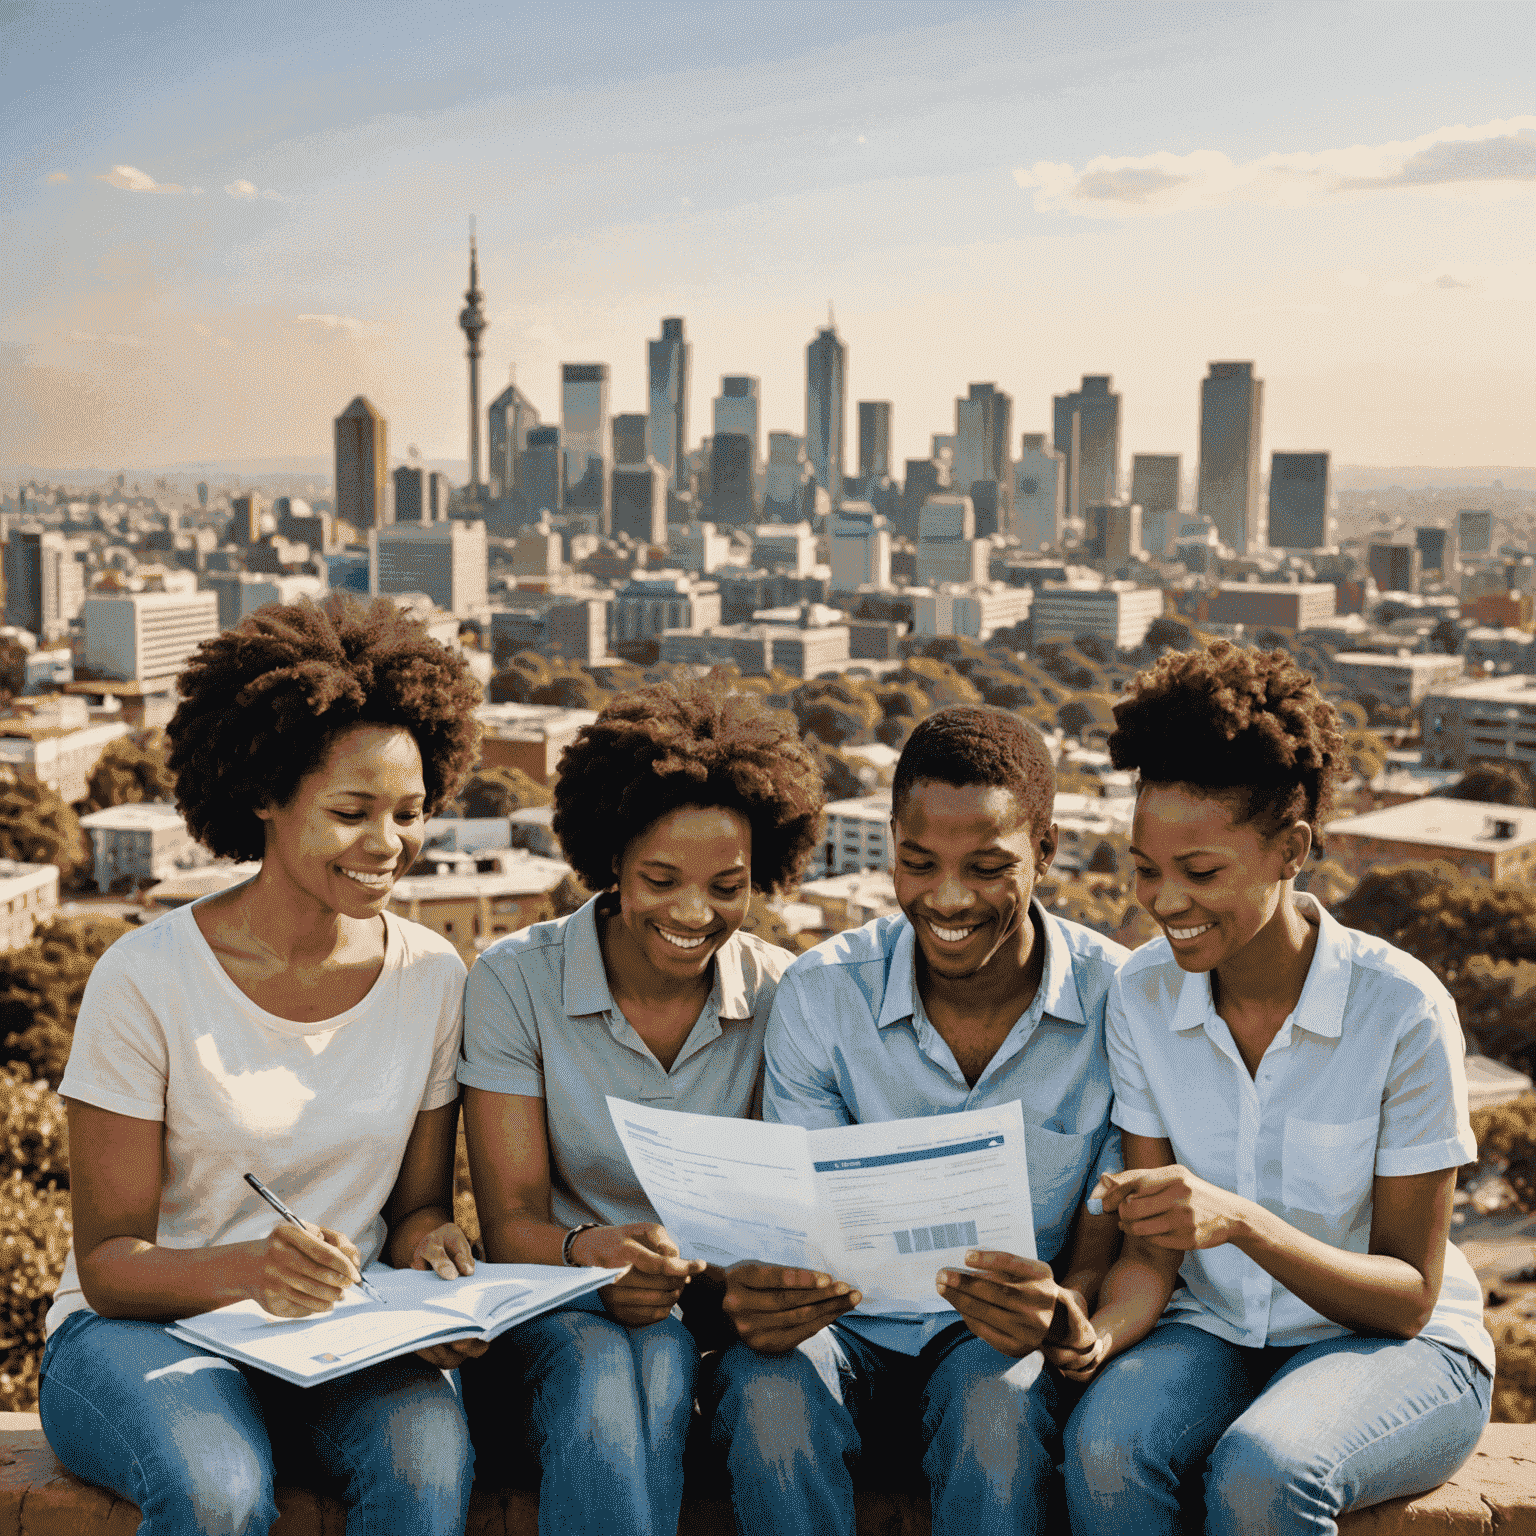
column 371, row 1292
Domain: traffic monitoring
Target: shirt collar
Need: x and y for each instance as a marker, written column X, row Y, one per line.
column 1056, row 995
column 1320, row 1009
column 584, row 977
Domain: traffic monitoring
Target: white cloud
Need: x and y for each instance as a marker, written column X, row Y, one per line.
column 131, row 179
column 241, row 189
column 1492, row 159
column 56, row 178
column 201, row 329
column 343, row 323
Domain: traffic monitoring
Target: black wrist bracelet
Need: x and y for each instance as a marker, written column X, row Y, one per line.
column 570, row 1238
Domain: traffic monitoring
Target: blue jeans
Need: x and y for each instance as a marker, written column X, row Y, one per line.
column 792, row 1427
column 603, row 1408
column 1186, row 1427
column 197, row 1442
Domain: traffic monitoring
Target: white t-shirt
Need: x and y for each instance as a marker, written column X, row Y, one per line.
column 1364, row 1078
column 320, row 1112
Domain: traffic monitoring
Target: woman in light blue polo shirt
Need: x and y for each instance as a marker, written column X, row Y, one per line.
column 675, row 804
column 1293, row 1109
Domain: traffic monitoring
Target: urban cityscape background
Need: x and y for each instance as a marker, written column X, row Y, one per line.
column 856, row 557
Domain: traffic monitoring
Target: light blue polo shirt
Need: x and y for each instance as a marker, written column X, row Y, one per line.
column 540, row 1020
column 849, row 1043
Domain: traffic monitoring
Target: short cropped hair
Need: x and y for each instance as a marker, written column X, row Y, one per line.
column 261, row 705
column 971, row 744
column 654, row 750
column 1230, row 719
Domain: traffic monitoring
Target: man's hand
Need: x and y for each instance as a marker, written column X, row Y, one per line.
column 1072, row 1344
column 657, row 1273
column 1171, row 1208
column 1010, row 1302
column 774, row 1309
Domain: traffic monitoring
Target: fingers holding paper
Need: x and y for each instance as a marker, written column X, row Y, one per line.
column 448, row 1357
column 773, row 1308
column 303, row 1270
column 1007, row 1300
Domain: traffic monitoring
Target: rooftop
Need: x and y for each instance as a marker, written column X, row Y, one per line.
column 1468, row 825
column 526, row 875
column 154, row 816
column 1516, row 688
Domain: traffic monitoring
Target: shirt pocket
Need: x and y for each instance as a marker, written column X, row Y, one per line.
column 1058, row 1163
column 1327, row 1168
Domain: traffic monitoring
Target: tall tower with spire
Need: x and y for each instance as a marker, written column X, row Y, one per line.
column 472, row 322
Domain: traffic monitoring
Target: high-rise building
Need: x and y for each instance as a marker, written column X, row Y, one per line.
column 630, row 430
column 640, row 500
column 421, row 495
column 1039, row 494
column 1474, row 534
column 447, row 561
column 826, row 386
column 1433, row 545
column 472, row 322
column 1395, row 567
column 44, row 582
column 732, row 479
column 249, row 523
column 670, row 360
column 584, row 438
column 947, row 547
column 861, row 548
column 362, row 474
column 788, row 548
column 1155, row 489
column 737, row 409
column 543, row 473
column 1231, row 426
column 924, row 478
column 1114, row 532
column 983, row 431
column 1086, row 428
column 512, row 416
column 1299, row 498
column 141, row 636
column 874, row 439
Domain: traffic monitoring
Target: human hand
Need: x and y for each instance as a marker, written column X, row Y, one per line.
column 1072, row 1344
column 1007, row 1300
column 656, row 1273
column 448, row 1357
column 304, row 1270
column 445, row 1250
column 1172, row 1208
column 773, row 1309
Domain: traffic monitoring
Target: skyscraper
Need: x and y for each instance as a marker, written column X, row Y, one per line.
column 512, row 415
column 737, row 408
column 44, row 583
column 1231, row 415
column 362, row 457
column 670, row 360
column 1039, row 494
column 543, row 472
column 826, row 385
column 983, row 424
column 584, row 436
column 1155, row 489
column 874, row 439
column 1298, row 500
column 472, row 322
column 1093, row 460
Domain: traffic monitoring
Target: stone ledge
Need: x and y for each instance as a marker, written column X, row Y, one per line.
column 1495, row 1492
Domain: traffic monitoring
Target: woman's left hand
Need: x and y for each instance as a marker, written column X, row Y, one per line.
column 1172, row 1208
column 445, row 1249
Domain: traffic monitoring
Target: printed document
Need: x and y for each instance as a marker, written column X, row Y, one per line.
column 420, row 1309
column 882, row 1206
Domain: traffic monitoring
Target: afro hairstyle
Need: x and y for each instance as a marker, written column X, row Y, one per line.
column 656, row 749
column 262, row 703
column 972, row 744
column 1229, row 719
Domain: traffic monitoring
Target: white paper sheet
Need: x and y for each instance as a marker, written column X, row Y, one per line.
column 883, row 1206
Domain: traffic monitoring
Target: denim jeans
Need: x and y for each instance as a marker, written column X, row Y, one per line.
column 603, row 1408
column 1185, row 1428
column 197, row 1442
column 792, row 1427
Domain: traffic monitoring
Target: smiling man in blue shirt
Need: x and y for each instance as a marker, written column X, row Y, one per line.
column 973, row 996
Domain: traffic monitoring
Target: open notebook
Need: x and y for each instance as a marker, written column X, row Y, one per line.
column 420, row 1309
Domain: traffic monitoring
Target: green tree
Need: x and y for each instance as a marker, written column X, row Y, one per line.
column 1491, row 783
column 515, row 683
column 41, row 985
column 130, row 770
column 37, row 827
column 500, row 791
column 839, row 778
column 13, row 666
column 943, row 685
column 571, row 690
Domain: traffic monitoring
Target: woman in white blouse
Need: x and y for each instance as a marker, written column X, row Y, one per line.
column 1292, row 1104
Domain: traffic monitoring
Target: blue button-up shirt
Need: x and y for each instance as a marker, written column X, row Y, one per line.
column 849, row 1042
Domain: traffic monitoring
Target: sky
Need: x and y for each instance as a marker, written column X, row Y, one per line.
column 220, row 223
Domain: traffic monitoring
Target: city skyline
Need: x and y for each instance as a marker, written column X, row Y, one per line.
column 1358, row 235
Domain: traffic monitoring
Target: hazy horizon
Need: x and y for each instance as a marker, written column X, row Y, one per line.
column 221, row 226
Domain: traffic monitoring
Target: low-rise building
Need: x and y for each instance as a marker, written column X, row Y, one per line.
column 529, row 736
column 57, row 743
column 139, row 843
column 1274, row 604
column 143, row 636
column 647, row 606
column 977, row 611
column 858, row 837
column 1399, row 682
column 849, row 901
column 29, row 893
column 1120, row 612
column 1495, row 841
column 472, row 911
column 1484, row 720
column 138, row 706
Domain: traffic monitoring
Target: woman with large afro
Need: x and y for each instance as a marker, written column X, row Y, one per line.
column 293, row 1028
column 674, row 806
column 1289, row 1332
